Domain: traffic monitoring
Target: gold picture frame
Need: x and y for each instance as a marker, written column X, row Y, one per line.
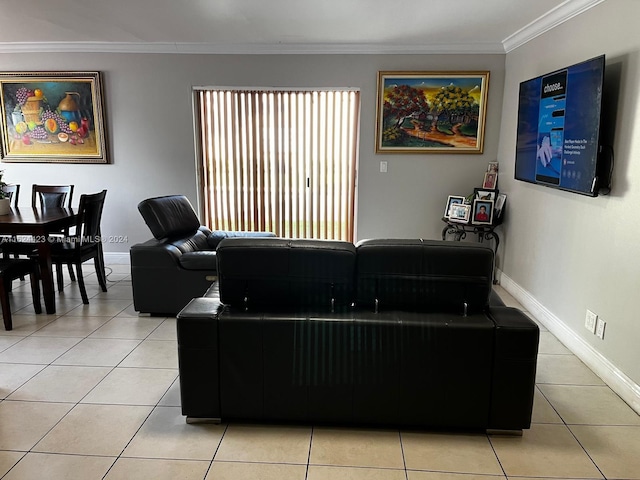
column 431, row 112
column 52, row 117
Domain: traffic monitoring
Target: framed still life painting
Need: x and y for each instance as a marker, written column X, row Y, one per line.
column 52, row 117
column 431, row 112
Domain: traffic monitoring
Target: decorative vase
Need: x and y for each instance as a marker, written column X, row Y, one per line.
column 5, row 206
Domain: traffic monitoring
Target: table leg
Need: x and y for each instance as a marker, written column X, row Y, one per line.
column 46, row 272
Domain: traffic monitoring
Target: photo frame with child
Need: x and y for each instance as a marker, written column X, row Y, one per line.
column 482, row 212
column 452, row 200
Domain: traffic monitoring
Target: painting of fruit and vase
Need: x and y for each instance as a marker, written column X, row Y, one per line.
column 52, row 117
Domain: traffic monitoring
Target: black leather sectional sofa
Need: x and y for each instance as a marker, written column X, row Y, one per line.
column 388, row 332
column 179, row 262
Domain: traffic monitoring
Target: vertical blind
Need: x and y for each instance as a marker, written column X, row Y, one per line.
column 280, row 161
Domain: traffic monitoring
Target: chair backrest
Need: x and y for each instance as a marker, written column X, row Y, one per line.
column 51, row 196
column 170, row 216
column 12, row 192
column 89, row 217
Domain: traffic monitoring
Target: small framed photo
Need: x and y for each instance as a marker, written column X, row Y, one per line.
column 452, row 200
column 490, row 181
column 500, row 201
column 493, row 167
column 482, row 212
column 482, row 194
column 460, row 212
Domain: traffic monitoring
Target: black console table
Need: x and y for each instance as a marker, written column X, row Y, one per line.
column 460, row 230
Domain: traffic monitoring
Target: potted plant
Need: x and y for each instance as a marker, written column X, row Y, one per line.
column 5, row 201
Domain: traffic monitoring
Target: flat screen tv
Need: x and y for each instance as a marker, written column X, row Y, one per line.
column 559, row 120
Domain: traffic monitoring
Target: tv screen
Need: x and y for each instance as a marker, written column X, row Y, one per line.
column 559, row 117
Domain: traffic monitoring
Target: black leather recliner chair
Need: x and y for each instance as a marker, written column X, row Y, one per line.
column 179, row 263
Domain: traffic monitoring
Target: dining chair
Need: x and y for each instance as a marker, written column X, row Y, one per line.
column 11, row 269
column 84, row 244
column 55, row 196
column 12, row 192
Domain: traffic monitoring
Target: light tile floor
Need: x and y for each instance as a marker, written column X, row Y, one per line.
column 92, row 393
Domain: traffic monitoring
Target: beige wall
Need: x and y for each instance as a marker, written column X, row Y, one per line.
column 570, row 252
column 149, row 114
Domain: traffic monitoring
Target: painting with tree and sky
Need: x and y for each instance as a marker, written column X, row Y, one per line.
column 431, row 112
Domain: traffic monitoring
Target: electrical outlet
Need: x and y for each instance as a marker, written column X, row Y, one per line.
column 600, row 326
column 383, row 167
column 590, row 321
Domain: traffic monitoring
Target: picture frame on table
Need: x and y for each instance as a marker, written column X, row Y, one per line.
column 452, row 200
column 485, row 194
column 482, row 212
column 460, row 212
column 492, row 167
column 490, row 181
column 52, row 117
column 499, row 205
column 431, row 112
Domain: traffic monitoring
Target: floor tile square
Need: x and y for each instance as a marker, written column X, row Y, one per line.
column 116, row 292
column 589, row 405
column 166, row 331
column 61, row 384
column 132, row 386
column 25, row 423
column 416, row 475
column 7, row 341
column 265, row 443
column 94, row 430
column 320, row 472
column 98, row 352
column 25, row 323
column 165, row 434
column 8, row 460
column 37, row 350
column 544, row 451
column 172, row 397
column 356, row 448
column 67, row 326
column 135, row 328
column 153, row 469
column 543, row 411
column 447, row 452
column 153, row 354
column 100, row 308
column 255, row 471
column 564, row 370
column 549, row 344
column 36, row 466
column 13, row 375
column 614, row 449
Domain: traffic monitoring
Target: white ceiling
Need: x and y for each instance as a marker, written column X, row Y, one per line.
column 279, row 26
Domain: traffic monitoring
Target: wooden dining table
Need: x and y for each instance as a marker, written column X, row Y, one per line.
column 38, row 224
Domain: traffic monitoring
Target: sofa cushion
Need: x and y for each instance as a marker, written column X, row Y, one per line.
column 218, row 235
column 277, row 273
column 170, row 216
column 415, row 274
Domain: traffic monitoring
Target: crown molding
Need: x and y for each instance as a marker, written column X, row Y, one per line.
column 563, row 12
column 248, row 49
column 554, row 17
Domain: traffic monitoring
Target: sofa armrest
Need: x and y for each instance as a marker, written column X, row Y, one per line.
column 514, row 369
column 197, row 327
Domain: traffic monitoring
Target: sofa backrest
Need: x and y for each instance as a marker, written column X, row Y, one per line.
column 430, row 275
column 171, row 216
column 285, row 274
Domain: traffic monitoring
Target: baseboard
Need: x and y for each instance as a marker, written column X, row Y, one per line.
column 117, row 258
column 620, row 383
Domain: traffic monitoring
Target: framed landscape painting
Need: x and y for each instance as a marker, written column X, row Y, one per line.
column 52, row 117
column 431, row 112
